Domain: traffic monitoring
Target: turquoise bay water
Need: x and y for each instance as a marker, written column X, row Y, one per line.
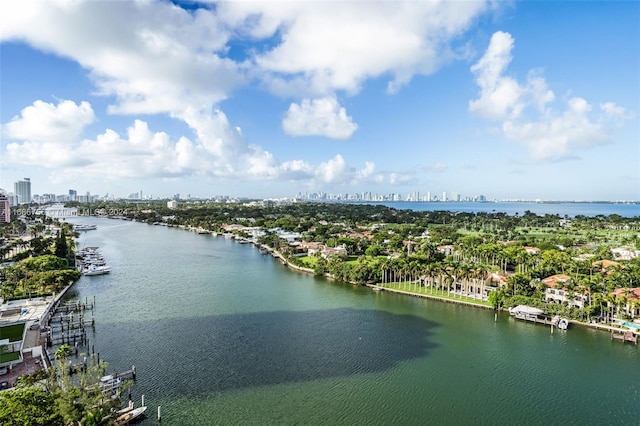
column 221, row 334
column 512, row 208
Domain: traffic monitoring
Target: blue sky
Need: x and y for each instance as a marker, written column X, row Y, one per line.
column 535, row 100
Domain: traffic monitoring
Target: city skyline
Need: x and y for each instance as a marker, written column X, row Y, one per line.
column 267, row 100
column 412, row 196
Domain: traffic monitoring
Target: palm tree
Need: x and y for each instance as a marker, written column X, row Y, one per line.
column 63, row 352
column 485, row 271
column 610, row 300
column 442, row 273
column 465, row 273
column 451, row 277
column 432, row 270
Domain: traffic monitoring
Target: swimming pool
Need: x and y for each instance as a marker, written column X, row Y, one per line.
column 630, row 325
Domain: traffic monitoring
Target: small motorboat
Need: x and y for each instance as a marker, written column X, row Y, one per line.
column 563, row 323
column 130, row 415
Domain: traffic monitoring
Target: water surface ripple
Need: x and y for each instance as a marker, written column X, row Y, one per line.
column 221, row 334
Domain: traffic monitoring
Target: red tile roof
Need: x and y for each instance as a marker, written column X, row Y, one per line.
column 555, row 279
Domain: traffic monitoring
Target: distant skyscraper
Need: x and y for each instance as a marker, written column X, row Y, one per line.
column 5, row 209
column 444, row 196
column 73, row 194
column 22, row 188
column 428, row 195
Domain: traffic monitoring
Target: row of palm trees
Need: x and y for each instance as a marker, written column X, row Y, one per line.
column 475, row 280
column 454, row 277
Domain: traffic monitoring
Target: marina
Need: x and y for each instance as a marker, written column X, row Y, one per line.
column 90, row 261
column 68, row 324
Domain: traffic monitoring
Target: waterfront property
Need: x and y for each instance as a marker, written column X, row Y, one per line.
column 557, row 291
column 536, row 315
column 630, row 308
column 20, row 339
column 266, row 345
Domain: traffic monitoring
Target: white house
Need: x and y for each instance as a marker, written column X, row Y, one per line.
column 624, row 253
column 557, row 291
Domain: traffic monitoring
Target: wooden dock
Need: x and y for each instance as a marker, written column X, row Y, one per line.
column 74, row 307
column 627, row 336
column 126, row 375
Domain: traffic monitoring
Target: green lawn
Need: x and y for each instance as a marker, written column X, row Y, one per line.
column 368, row 260
column 9, row 357
column 411, row 288
column 308, row 262
column 12, row 332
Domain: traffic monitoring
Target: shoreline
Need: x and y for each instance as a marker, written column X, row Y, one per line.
column 375, row 287
column 276, row 254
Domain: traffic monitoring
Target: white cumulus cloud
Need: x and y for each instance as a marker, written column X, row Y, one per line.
column 528, row 110
column 324, row 47
column 320, row 117
column 154, row 57
column 50, row 136
column 151, row 56
column 44, row 121
column 46, row 131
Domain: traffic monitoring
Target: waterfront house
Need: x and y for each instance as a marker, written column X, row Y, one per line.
column 312, row 247
column 497, row 280
column 557, row 291
column 627, row 301
column 340, row 251
column 315, row 248
column 20, row 348
column 492, row 282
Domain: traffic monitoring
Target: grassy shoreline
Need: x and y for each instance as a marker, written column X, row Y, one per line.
column 469, row 301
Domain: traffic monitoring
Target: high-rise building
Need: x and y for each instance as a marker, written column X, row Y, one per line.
column 444, row 196
column 22, row 188
column 5, row 209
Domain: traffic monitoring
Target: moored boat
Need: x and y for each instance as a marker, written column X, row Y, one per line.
column 131, row 415
column 85, row 227
column 109, row 383
column 96, row 270
column 563, row 324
